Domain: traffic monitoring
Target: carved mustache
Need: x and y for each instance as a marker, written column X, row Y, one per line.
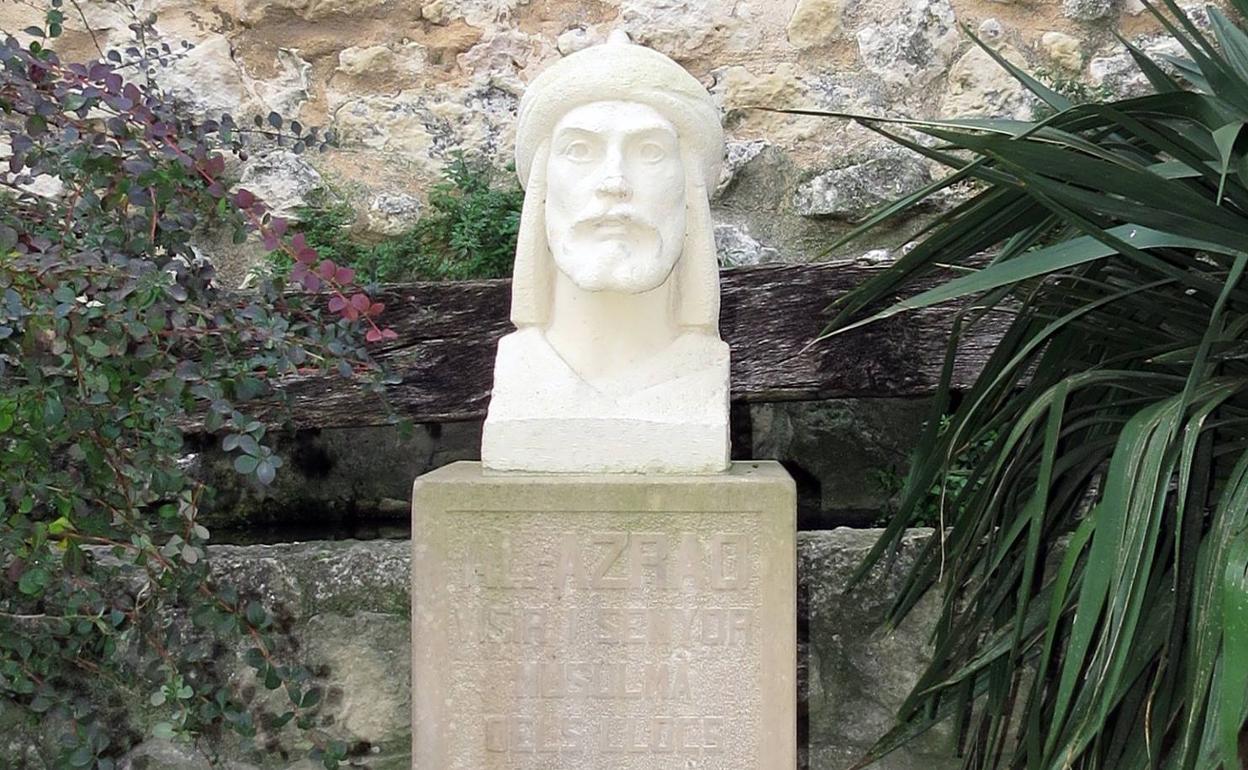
column 618, row 216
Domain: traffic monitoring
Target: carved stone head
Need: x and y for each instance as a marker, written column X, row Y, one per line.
column 617, row 146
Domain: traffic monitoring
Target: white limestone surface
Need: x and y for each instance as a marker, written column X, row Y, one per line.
column 616, row 365
column 610, row 621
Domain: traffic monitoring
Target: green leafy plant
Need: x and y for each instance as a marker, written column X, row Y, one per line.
column 891, row 481
column 469, row 231
column 1074, row 89
column 1094, row 576
column 326, row 226
column 113, row 337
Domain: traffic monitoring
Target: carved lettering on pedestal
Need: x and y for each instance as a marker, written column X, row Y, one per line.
column 513, row 733
column 603, row 642
column 610, row 561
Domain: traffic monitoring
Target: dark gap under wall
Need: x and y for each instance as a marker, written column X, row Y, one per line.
column 846, row 457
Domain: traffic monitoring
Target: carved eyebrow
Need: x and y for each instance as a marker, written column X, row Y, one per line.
column 576, row 131
column 659, row 130
column 629, row 131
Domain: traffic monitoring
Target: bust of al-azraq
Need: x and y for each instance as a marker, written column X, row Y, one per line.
column 616, row 364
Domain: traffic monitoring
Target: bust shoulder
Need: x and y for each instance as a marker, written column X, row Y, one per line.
column 707, row 344
column 699, row 351
column 521, row 343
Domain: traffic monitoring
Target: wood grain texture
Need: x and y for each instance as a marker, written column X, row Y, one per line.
column 770, row 315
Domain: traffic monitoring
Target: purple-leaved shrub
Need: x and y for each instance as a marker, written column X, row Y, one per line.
column 113, row 337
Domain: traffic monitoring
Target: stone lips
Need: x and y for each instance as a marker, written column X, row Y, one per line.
column 621, row 623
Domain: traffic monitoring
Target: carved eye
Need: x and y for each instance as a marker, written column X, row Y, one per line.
column 577, row 151
column 653, row 152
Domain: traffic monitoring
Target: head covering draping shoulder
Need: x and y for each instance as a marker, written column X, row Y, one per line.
column 619, row 70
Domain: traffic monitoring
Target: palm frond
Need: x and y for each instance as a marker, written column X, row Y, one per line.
column 1094, row 569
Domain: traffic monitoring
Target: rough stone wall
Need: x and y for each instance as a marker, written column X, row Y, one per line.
column 408, row 82
column 345, row 607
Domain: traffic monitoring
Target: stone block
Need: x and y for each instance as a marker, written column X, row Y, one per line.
column 735, row 247
column 607, row 621
column 855, row 670
column 980, row 87
column 911, row 48
column 1088, row 10
column 848, row 456
column 1066, row 51
column 814, row 22
column 855, row 190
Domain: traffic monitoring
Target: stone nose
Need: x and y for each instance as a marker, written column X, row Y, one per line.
column 614, row 185
column 613, row 182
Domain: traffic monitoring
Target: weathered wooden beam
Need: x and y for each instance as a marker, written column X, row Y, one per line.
column 770, row 315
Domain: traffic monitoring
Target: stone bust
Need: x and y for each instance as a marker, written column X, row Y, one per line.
column 616, row 365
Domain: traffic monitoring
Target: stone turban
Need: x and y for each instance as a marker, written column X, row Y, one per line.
column 619, row 70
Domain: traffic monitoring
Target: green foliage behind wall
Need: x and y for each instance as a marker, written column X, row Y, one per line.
column 468, row 231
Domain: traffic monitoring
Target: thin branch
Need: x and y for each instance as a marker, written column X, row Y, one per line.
column 87, row 25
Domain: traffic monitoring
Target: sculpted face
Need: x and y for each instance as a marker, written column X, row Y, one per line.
column 615, row 198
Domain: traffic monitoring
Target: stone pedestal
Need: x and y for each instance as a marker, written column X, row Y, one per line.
column 608, row 622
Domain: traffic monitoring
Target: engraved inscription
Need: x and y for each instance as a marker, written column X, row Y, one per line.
column 606, row 647
column 555, row 679
column 539, row 626
column 610, row 561
column 610, row 735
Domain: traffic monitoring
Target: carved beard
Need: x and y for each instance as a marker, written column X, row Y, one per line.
column 626, row 256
